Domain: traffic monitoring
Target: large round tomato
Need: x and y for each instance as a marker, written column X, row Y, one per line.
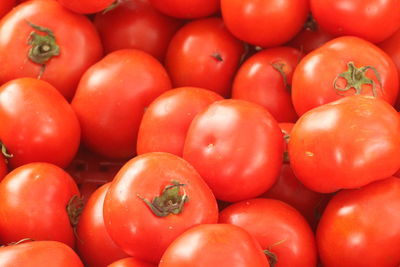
column 44, row 40
column 111, row 99
column 130, row 262
column 187, row 9
column 87, row 6
column 338, row 69
column 6, row 6
column 346, row 144
column 361, row 227
column 237, row 148
column 153, row 199
column 37, row 123
column 223, row 245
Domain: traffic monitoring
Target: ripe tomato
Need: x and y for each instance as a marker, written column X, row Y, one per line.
column 237, row 148
column 373, row 20
column 223, row 245
column 86, row 6
column 187, row 9
column 165, row 123
column 37, row 123
column 346, row 144
column 279, row 228
column 38, row 201
column 6, row 6
column 43, row 39
column 204, row 54
column 338, row 69
column 111, row 99
column 360, row 227
column 136, row 24
column 153, row 199
column 39, row 254
column 265, row 78
column 130, row 262
column 264, row 23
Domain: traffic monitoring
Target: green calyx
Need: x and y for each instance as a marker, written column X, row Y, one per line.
column 74, row 210
column 279, row 66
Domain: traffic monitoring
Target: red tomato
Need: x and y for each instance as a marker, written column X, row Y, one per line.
column 38, row 201
column 86, row 6
column 361, row 227
column 339, row 69
column 130, row 262
column 43, row 39
column 136, row 24
column 153, row 199
column 39, row 254
column 237, row 148
column 6, row 6
column 37, row 123
column 265, row 78
column 111, row 99
column 373, row 20
column 204, row 54
column 222, row 245
column 279, row 228
column 264, row 23
column 346, row 144
column 187, row 9
column 165, row 123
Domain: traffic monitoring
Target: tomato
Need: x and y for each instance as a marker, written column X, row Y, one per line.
column 204, row 54
column 111, row 99
column 37, row 123
column 346, row 144
column 265, row 78
column 136, row 24
column 6, row 6
column 237, row 148
column 39, row 254
column 372, row 20
column 38, row 201
column 166, row 121
column 360, row 227
column 278, row 227
column 68, row 46
column 130, row 262
column 153, row 199
column 338, row 69
column 86, row 6
column 187, row 9
column 264, row 23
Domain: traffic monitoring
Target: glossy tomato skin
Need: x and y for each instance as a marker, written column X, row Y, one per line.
column 38, row 124
column 77, row 38
column 6, row 6
column 165, row 123
column 204, row 54
column 314, row 78
column 34, row 200
column 237, row 148
column 363, row 222
column 278, row 227
column 111, row 99
column 136, row 24
column 264, row 23
column 130, row 262
column 133, row 225
column 214, row 245
column 346, row 144
column 87, row 6
column 39, row 253
column 265, row 78
column 193, row 9
column 372, row 20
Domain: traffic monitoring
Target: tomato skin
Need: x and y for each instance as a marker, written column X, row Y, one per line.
column 264, row 23
column 214, row 245
column 77, row 38
column 346, row 144
column 236, row 163
column 130, row 221
column 193, row 9
column 372, row 20
column 362, row 222
column 130, row 262
column 38, row 124
column 87, row 6
column 38, row 254
column 111, row 98
column 259, row 81
column 6, row 6
column 165, row 123
column 314, row 77
column 136, row 24
column 204, row 48
column 34, row 199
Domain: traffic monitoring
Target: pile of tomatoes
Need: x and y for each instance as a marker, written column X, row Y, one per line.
column 199, row 133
